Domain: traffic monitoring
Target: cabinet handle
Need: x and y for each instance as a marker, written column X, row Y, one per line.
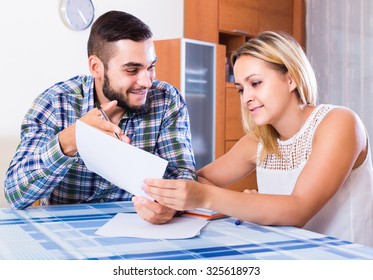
column 240, row 31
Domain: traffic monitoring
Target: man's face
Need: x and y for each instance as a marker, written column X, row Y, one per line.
column 130, row 74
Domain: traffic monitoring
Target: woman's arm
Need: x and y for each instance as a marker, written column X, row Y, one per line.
column 339, row 144
column 237, row 163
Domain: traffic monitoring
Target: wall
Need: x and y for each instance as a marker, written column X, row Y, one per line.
column 342, row 54
column 38, row 50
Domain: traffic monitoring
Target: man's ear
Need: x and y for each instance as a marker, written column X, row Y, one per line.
column 96, row 67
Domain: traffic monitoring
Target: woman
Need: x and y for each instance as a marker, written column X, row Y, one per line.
column 313, row 162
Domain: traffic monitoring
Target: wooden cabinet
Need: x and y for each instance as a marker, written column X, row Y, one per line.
column 233, row 125
column 200, row 20
column 168, row 67
column 241, row 16
column 190, row 66
column 276, row 15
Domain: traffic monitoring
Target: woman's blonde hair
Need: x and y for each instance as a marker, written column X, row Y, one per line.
column 284, row 54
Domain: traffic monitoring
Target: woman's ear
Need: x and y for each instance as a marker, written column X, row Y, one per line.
column 291, row 81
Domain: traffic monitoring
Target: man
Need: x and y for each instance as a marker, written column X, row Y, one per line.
column 147, row 113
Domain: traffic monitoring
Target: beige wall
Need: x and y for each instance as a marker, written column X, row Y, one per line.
column 38, row 50
column 8, row 146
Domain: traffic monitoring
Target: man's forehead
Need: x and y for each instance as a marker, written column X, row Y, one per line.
column 131, row 53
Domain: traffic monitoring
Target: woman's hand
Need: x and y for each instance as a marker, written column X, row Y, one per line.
column 177, row 194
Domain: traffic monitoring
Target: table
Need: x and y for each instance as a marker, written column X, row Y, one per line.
column 65, row 232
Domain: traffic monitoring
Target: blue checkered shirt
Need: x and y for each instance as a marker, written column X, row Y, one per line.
column 40, row 171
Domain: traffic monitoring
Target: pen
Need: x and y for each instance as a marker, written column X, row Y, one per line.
column 105, row 117
column 237, row 222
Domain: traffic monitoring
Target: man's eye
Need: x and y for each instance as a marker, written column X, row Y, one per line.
column 131, row 70
column 151, row 67
column 240, row 90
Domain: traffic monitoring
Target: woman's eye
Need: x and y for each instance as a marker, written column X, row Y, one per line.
column 240, row 91
column 255, row 84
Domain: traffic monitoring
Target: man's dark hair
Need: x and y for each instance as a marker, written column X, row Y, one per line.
column 112, row 27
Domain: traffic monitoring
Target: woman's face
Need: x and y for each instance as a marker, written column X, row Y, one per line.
column 265, row 92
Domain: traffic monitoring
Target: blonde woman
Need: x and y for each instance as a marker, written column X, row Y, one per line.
column 313, row 162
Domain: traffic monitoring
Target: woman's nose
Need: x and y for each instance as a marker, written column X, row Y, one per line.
column 246, row 97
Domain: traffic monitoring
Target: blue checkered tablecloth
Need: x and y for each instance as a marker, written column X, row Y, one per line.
column 68, row 232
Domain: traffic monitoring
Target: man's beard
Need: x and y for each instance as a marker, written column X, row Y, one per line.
column 111, row 94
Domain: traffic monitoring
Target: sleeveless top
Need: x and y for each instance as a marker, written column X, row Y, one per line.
column 348, row 215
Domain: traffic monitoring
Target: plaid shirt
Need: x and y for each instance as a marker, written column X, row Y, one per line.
column 39, row 169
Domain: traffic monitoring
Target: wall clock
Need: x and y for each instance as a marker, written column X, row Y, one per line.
column 77, row 14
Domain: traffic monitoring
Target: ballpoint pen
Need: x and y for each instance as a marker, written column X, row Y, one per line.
column 105, row 117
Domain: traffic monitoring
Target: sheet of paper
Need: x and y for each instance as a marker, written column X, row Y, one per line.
column 118, row 162
column 131, row 225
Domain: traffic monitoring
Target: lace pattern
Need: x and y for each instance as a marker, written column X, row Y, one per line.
column 297, row 149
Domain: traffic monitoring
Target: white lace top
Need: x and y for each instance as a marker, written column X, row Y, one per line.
column 349, row 213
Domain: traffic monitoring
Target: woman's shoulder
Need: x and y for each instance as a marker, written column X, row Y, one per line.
column 340, row 122
column 334, row 114
column 343, row 128
column 326, row 116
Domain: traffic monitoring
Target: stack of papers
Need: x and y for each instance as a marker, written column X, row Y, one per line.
column 205, row 213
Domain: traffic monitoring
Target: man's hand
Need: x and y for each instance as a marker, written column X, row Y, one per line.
column 67, row 137
column 151, row 211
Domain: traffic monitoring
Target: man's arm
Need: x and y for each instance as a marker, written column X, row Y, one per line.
column 48, row 147
column 39, row 164
column 175, row 144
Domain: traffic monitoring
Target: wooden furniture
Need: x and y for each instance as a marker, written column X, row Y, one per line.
column 195, row 77
column 229, row 24
column 36, row 203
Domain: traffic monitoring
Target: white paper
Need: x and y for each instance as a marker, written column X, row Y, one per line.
column 118, row 162
column 132, row 225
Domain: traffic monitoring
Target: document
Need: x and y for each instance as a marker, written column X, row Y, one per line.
column 205, row 213
column 118, row 162
column 131, row 225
